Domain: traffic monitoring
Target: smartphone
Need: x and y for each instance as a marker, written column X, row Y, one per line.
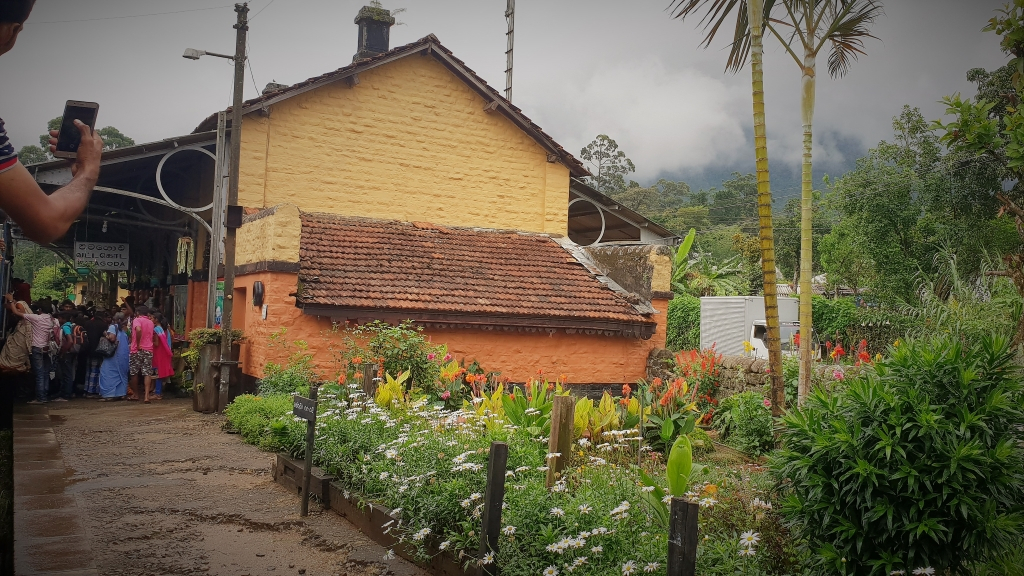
column 69, row 137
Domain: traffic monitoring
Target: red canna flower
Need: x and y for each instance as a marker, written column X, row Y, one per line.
column 625, row 390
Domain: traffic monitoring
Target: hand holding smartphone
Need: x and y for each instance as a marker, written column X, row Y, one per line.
column 69, row 137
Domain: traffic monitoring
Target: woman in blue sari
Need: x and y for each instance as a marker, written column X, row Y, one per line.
column 114, row 370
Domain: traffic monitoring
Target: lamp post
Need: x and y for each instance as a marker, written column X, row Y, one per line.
column 232, row 212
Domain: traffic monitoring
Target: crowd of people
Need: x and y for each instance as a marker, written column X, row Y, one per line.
column 122, row 354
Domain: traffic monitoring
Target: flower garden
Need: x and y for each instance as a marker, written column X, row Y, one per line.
column 913, row 465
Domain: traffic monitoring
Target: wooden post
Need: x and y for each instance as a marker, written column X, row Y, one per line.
column 369, row 386
column 563, row 421
column 307, row 469
column 682, row 538
column 494, row 496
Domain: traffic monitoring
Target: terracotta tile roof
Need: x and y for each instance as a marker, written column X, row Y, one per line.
column 446, row 57
column 358, row 263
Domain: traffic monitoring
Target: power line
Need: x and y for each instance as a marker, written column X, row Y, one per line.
column 136, row 15
column 261, row 10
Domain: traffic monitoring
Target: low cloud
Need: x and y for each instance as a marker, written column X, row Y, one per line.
column 665, row 120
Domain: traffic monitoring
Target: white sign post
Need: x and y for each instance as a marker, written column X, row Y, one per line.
column 101, row 256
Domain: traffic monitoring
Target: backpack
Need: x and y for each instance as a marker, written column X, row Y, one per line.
column 66, row 343
column 56, row 338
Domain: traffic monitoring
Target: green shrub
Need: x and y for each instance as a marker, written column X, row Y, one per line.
column 254, row 418
column 832, row 317
column 745, row 423
column 296, row 376
column 918, row 463
column 400, row 348
column 683, row 324
column 881, row 327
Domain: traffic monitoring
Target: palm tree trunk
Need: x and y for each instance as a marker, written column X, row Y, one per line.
column 806, row 231
column 755, row 10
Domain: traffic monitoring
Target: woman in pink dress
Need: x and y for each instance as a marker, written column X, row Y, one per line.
column 162, row 354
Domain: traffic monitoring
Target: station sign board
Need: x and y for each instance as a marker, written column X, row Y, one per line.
column 101, row 255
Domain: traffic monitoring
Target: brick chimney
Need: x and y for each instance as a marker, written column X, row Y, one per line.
column 374, row 30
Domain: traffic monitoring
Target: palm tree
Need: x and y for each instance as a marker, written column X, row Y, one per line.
column 747, row 42
column 810, row 25
column 813, row 24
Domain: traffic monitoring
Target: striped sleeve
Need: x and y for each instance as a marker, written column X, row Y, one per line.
column 8, row 157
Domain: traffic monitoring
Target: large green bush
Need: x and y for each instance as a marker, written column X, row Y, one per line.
column 745, row 423
column 918, row 463
column 832, row 317
column 683, row 325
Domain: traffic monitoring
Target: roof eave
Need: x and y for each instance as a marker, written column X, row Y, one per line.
column 428, row 45
column 640, row 328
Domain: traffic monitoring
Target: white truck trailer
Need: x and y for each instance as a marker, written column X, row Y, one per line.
column 729, row 321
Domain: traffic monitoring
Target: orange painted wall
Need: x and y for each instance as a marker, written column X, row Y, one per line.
column 585, row 359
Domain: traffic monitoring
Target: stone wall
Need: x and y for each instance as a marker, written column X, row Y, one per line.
column 739, row 373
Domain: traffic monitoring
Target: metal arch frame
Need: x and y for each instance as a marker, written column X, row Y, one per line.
column 600, row 211
column 173, row 205
column 160, row 185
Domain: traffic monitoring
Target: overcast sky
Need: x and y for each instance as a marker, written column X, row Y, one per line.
column 582, row 67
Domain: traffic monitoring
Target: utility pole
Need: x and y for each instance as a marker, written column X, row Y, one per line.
column 510, row 16
column 234, row 212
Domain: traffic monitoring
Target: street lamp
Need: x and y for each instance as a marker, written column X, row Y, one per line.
column 193, row 54
column 232, row 216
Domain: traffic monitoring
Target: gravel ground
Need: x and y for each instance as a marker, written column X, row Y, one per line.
column 162, row 490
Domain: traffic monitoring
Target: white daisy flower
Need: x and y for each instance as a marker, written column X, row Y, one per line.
column 707, row 502
column 421, row 534
column 445, row 545
column 647, row 489
column 390, row 555
column 652, row 567
column 597, row 549
column 897, row 573
column 750, row 538
column 584, row 508
column 475, row 496
column 488, row 558
column 550, row 571
column 929, row 571
column 584, row 443
column 557, row 512
column 747, row 552
column 508, row 530
column 629, row 568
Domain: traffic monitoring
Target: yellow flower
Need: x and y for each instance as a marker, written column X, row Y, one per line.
column 896, row 344
column 747, row 347
column 878, row 357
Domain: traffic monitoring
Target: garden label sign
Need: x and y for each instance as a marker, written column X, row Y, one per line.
column 101, row 255
column 305, row 408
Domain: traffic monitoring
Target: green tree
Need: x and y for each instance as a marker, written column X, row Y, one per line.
column 749, row 249
column 843, row 258
column 32, row 154
column 49, row 282
column 610, row 165
column 807, row 26
column 751, row 20
column 735, row 203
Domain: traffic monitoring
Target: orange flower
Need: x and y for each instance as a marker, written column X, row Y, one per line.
column 625, row 390
column 551, row 386
column 357, row 360
column 358, row 375
column 656, row 384
column 341, row 379
column 563, row 378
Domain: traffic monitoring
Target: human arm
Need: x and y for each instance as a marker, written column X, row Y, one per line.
column 44, row 218
column 9, row 301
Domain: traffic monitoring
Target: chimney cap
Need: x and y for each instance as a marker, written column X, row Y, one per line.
column 375, row 12
column 273, row 87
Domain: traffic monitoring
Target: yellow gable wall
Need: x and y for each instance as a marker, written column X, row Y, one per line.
column 410, row 142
